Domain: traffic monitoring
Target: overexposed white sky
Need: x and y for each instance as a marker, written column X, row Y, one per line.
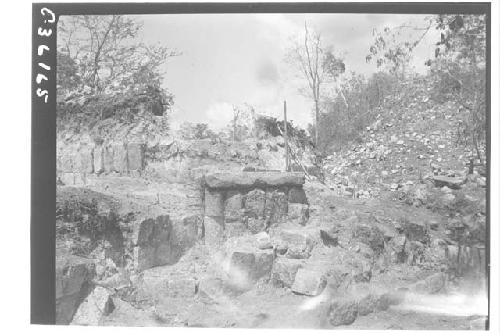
column 239, row 58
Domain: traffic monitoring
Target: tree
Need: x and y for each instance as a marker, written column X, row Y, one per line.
column 107, row 56
column 317, row 65
column 392, row 47
column 460, row 60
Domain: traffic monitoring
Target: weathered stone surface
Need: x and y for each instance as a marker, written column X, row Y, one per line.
column 297, row 195
column 373, row 303
column 98, row 159
column 263, row 241
column 255, row 203
column 342, row 312
column 284, row 271
column 73, row 280
column 330, row 236
column 432, row 284
column 214, row 231
column 263, row 264
column 235, row 229
column 309, row 282
column 93, row 308
column 233, row 203
column 242, row 264
column 85, row 160
column 298, row 213
column 214, row 203
column 135, row 156
column 250, row 179
column 256, row 225
column 276, row 206
column 181, row 286
column 67, row 161
column 299, row 244
column 120, row 158
column 108, row 159
column 154, row 243
column 416, row 231
column 451, row 182
column 185, row 234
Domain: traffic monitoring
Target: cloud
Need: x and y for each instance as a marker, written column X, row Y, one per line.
column 219, row 115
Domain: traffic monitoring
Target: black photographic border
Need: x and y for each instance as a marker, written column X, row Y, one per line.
column 43, row 115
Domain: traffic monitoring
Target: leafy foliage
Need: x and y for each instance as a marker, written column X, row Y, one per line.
column 192, row 131
column 459, row 72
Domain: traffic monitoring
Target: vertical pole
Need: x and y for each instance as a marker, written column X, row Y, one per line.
column 287, row 160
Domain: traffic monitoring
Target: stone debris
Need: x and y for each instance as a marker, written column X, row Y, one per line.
column 309, row 282
column 97, row 305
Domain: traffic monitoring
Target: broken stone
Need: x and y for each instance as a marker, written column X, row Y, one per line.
column 309, row 282
column 73, row 279
column 97, row 305
column 342, row 312
column 284, row 271
column 416, row 231
column 432, row 284
column 298, row 243
column 235, row 229
column 451, row 182
column 298, row 213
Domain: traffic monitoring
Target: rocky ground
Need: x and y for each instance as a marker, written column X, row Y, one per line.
column 391, row 237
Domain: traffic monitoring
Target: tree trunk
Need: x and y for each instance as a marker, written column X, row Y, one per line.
column 316, row 125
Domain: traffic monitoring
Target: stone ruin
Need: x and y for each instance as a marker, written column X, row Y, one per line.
column 76, row 163
column 236, row 204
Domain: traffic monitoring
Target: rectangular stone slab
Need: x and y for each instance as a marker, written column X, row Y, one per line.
column 253, row 179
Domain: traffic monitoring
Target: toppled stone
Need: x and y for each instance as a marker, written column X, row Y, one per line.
column 451, row 182
column 298, row 213
column 93, row 308
column 284, row 271
column 73, row 280
column 432, row 284
column 373, row 303
column 250, row 179
column 299, row 244
column 342, row 312
column 309, row 282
